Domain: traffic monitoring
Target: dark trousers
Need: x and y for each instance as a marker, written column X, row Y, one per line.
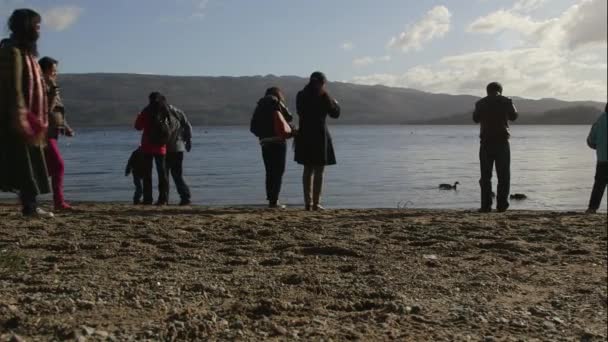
column 139, row 189
column 499, row 154
column 175, row 161
column 274, row 162
column 161, row 170
column 28, row 202
column 601, row 179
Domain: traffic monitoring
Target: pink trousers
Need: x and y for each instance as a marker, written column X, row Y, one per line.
column 55, row 164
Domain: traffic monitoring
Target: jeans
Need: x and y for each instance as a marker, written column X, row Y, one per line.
column 312, row 180
column 599, row 186
column 56, row 169
column 175, row 161
column 161, row 170
column 274, row 163
column 499, row 154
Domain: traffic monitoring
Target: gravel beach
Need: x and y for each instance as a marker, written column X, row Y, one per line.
column 120, row 272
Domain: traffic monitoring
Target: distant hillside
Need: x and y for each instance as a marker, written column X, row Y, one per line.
column 115, row 99
column 576, row 115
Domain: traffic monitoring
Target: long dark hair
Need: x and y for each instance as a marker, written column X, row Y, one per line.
column 275, row 91
column 22, row 24
column 157, row 105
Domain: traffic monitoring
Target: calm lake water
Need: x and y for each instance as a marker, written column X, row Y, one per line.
column 378, row 166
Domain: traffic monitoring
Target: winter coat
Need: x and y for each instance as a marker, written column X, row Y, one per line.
column 58, row 124
column 183, row 134
column 144, row 123
column 313, row 143
column 22, row 164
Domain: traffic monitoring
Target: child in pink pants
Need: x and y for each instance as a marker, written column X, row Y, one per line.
column 57, row 126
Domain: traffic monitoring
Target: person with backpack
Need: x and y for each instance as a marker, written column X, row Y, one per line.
column 314, row 148
column 57, row 126
column 598, row 140
column 155, row 122
column 270, row 124
column 179, row 142
column 493, row 114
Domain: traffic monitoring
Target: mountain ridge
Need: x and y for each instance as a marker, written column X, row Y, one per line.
column 114, row 99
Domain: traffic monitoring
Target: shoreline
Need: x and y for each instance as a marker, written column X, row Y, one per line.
column 4, row 202
column 195, row 273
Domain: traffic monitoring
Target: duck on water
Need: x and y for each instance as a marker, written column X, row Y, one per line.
column 448, row 186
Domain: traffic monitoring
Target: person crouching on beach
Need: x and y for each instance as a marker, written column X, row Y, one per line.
column 23, row 114
column 314, row 148
column 270, row 124
column 154, row 122
column 598, row 140
column 493, row 114
column 135, row 167
column 57, row 125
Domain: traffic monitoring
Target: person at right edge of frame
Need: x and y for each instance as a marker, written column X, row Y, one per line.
column 598, row 140
column 313, row 144
column 493, row 113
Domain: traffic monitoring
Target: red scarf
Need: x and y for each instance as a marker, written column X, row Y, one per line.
column 37, row 104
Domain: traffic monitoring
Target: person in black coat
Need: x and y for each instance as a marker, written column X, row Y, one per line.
column 493, row 114
column 274, row 148
column 314, row 148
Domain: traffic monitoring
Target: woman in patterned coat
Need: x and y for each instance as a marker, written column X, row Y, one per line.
column 23, row 114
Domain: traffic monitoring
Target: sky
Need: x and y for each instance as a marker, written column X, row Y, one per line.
column 535, row 48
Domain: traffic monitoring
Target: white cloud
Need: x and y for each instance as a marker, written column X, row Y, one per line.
column 504, row 20
column 363, row 61
column 527, row 72
column 562, row 57
column 60, row 18
column 368, row 60
column 347, row 46
column 528, row 5
column 435, row 24
column 200, row 8
column 586, row 23
column 582, row 24
column 186, row 11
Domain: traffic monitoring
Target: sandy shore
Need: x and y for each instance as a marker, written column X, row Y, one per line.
column 132, row 273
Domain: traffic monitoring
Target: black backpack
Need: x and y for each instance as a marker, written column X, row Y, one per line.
column 163, row 127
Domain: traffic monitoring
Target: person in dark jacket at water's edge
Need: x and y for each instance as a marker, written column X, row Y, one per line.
column 493, row 113
column 274, row 148
column 313, row 144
